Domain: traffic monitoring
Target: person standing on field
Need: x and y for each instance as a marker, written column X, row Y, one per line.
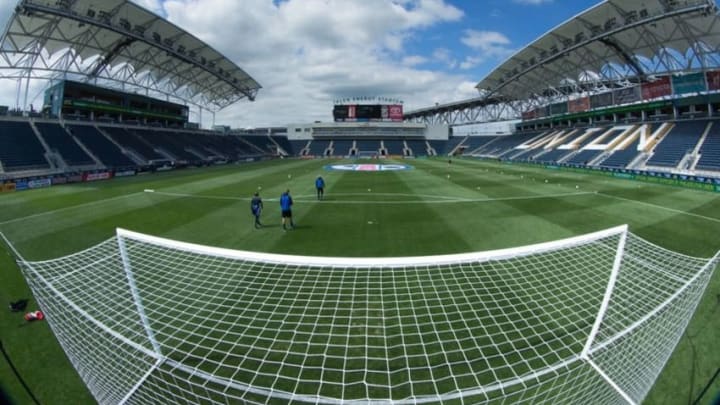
column 320, row 187
column 286, row 203
column 256, row 206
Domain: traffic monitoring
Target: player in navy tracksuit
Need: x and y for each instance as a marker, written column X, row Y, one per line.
column 320, row 186
column 286, row 203
column 256, row 207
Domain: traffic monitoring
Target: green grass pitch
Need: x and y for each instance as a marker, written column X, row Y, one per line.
column 435, row 208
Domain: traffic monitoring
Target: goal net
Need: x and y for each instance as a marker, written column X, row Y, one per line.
column 590, row 319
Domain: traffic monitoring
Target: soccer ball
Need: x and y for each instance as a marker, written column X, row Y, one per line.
column 289, row 176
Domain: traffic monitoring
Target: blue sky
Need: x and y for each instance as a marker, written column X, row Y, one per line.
column 307, row 53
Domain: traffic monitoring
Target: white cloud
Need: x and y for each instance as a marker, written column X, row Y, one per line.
column 489, row 44
column 414, row 60
column 306, row 53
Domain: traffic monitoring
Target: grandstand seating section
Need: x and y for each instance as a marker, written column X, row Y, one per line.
column 367, row 145
column 440, row 147
column 394, row 146
column 284, row 144
column 710, row 150
column 128, row 139
column 20, row 148
column 681, row 139
column 553, row 155
column 263, row 143
column 60, row 141
column 619, row 159
column 453, row 143
column 298, row 146
column 117, row 147
column 341, row 147
column 108, row 153
column 318, row 147
column 172, row 144
column 417, row 147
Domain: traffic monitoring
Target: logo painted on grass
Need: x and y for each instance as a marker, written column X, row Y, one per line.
column 369, row 167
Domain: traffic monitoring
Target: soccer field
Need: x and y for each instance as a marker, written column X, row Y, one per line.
column 434, row 208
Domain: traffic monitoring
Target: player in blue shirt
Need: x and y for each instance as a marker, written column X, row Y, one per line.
column 256, row 206
column 320, row 187
column 286, row 203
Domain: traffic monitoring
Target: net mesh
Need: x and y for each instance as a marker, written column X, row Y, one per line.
column 148, row 320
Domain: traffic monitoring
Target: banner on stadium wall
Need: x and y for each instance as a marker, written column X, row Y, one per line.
column 21, row 185
column 8, row 187
column 395, row 112
column 540, row 112
column 124, row 173
column 579, row 105
column 40, row 183
column 558, row 108
column 659, row 88
column 59, row 180
column 75, row 178
column 713, row 80
column 627, row 95
column 690, row 83
column 601, row 100
column 96, row 176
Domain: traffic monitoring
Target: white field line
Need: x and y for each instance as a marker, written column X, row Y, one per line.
column 660, row 207
column 40, row 214
column 438, row 199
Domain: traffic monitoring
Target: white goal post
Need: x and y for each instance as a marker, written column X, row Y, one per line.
column 588, row 319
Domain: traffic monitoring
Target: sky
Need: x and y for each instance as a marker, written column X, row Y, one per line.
column 307, row 53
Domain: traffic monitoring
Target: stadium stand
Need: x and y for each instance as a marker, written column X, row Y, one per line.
column 394, row 146
column 440, row 147
column 584, row 157
column 454, row 144
column 476, row 145
column 341, row 147
column 284, row 145
column 60, row 142
column 263, row 143
column 619, row 159
column 553, row 156
column 710, row 150
column 20, row 148
column 108, row 153
column 172, row 144
column 367, row 145
column 418, row 147
column 318, row 147
column 129, row 139
column 681, row 140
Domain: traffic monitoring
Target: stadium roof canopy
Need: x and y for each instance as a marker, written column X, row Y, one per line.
column 117, row 43
column 615, row 43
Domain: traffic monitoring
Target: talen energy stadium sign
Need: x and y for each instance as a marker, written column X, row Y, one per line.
column 368, row 167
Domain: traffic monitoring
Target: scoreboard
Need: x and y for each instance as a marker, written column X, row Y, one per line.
column 364, row 112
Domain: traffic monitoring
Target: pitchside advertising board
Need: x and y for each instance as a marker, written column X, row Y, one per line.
column 369, row 112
